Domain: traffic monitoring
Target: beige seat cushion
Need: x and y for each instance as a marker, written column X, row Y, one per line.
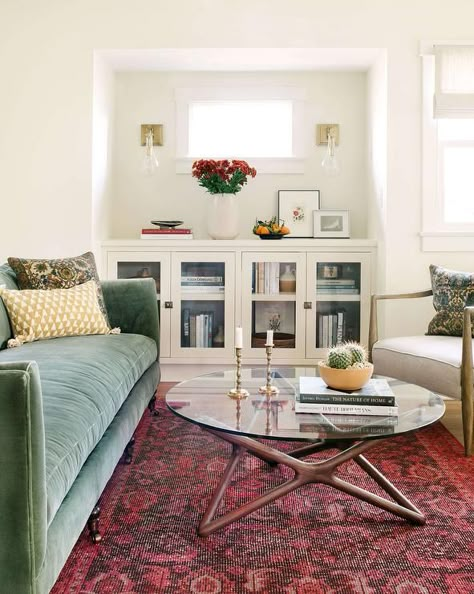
column 433, row 362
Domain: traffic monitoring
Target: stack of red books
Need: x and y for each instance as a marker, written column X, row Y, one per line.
column 168, row 233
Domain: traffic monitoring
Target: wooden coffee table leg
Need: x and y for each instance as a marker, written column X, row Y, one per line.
column 305, row 472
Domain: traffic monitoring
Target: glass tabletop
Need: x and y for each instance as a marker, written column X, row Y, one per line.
column 204, row 401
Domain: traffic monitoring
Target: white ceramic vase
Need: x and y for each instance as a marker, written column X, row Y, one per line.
column 223, row 216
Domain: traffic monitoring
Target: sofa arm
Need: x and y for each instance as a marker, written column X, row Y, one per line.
column 22, row 477
column 132, row 305
column 373, row 323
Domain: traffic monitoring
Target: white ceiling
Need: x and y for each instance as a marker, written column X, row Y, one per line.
column 243, row 59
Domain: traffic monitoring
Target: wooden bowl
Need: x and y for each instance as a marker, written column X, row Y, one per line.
column 345, row 379
column 281, row 340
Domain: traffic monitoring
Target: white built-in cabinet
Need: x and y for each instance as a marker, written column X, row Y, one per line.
column 311, row 293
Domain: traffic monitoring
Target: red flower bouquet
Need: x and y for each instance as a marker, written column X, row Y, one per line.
column 222, row 177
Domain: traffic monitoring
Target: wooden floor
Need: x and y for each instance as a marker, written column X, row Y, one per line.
column 451, row 420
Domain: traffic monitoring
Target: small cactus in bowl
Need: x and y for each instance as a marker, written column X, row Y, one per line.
column 339, row 358
column 346, row 367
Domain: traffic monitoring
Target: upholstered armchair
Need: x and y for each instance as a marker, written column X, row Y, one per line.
column 442, row 364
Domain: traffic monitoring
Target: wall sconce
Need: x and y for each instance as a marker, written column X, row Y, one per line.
column 329, row 134
column 151, row 135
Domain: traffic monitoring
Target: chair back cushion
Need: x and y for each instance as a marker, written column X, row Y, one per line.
column 452, row 292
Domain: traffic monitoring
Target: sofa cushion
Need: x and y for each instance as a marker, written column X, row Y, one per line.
column 36, row 315
column 61, row 273
column 452, row 292
column 8, row 281
column 433, row 362
column 84, row 380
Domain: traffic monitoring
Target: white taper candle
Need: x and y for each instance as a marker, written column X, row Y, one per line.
column 269, row 338
column 238, row 338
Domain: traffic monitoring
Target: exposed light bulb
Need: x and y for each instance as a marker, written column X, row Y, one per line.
column 330, row 164
column 150, row 162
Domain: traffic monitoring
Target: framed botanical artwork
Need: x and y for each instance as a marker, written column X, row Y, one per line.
column 331, row 223
column 296, row 208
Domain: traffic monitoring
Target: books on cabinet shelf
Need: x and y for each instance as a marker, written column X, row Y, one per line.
column 198, row 329
column 342, row 286
column 266, row 278
column 374, row 399
column 202, row 284
column 331, row 328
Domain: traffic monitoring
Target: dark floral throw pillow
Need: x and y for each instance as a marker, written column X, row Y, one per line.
column 452, row 292
column 62, row 273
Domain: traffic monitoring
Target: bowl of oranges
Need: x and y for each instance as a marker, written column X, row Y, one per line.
column 272, row 229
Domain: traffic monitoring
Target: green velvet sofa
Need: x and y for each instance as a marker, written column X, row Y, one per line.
column 68, row 408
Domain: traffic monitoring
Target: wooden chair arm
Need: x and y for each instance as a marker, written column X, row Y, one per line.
column 373, row 329
column 466, row 380
column 466, row 362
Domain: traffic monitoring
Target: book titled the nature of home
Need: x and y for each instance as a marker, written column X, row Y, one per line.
column 375, row 398
column 376, row 392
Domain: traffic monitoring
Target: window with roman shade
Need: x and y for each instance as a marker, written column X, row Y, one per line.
column 448, row 148
column 454, row 81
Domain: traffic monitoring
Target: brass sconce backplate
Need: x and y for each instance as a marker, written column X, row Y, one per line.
column 322, row 133
column 157, row 133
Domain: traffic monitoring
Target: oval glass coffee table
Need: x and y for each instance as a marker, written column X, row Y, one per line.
column 204, row 401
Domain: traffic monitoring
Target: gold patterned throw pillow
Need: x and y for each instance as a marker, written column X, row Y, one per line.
column 61, row 273
column 35, row 315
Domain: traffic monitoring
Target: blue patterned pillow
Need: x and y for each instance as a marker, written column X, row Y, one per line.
column 452, row 292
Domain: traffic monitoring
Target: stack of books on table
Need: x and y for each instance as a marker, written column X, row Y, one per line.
column 339, row 286
column 202, row 284
column 175, row 233
column 374, row 399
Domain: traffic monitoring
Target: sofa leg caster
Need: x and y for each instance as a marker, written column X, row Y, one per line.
column 128, row 453
column 151, row 406
column 93, row 525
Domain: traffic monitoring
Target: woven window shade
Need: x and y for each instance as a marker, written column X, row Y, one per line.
column 454, row 81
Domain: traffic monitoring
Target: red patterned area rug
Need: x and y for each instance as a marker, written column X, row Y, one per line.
column 313, row 541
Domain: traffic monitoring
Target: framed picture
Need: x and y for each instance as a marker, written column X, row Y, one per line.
column 296, row 208
column 331, row 223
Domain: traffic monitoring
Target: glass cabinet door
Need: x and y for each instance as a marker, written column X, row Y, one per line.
column 203, row 304
column 338, row 287
column 273, row 287
column 147, row 265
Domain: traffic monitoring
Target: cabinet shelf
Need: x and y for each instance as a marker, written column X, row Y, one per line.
column 189, row 296
column 277, row 297
column 337, row 297
column 322, row 274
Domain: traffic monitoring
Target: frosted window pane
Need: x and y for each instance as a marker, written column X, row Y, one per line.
column 240, row 129
column 458, row 184
column 450, row 129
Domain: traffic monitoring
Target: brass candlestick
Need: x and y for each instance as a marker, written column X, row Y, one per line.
column 238, row 393
column 268, row 388
column 238, row 413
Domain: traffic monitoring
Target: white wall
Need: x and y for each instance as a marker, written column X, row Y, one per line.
column 102, row 146
column 46, row 60
column 150, row 98
column 377, row 161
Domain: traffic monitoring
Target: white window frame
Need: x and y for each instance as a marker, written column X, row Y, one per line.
column 436, row 234
column 293, row 164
